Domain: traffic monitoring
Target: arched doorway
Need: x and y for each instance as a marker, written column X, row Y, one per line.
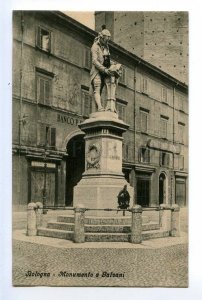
column 75, row 165
column 162, row 188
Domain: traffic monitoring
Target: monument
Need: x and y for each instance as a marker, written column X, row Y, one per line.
column 103, row 178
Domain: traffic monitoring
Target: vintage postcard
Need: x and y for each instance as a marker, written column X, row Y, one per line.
column 100, row 148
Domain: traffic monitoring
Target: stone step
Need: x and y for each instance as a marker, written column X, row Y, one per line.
column 55, row 233
column 154, row 234
column 101, row 228
column 61, row 226
column 101, row 237
column 107, row 237
column 123, row 237
column 101, row 220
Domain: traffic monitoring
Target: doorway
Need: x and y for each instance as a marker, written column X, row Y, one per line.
column 180, row 191
column 143, row 191
column 162, row 188
column 75, row 166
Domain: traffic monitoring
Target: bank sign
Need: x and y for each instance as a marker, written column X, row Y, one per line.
column 68, row 120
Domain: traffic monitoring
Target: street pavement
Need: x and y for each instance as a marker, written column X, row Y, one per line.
column 43, row 261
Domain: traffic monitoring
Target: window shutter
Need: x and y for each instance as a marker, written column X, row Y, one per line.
column 164, row 94
column 147, row 155
column 38, row 37
column 42, row 134
column 46, row 92
column 41, row 90
column 143, row 122
column 122, row 78
column 87, row 58
column 86, row 103
column 144, row 85
column 167, row 159
column 53, row 137
column 140, row 154
column 160, row 158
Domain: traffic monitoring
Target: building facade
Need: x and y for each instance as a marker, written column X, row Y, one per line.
column 160, row 38
column 52, row 95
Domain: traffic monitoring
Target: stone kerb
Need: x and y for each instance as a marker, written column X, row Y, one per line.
column 34, row 217
column 39, row 214
column 175, row 220
column 79, row 231
column 165, row 217
column 136, row 224
column 31, row 219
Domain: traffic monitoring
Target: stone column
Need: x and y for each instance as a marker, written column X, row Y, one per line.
column 79, row 217
column 175, row 220
column 136, row 225
column 39, row 214
column 31, row 219
column 165, row 217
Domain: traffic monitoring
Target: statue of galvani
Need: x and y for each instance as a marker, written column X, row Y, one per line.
column 104, row 72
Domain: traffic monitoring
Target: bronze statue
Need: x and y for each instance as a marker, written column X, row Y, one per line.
column 103, row 71
column 123, row 199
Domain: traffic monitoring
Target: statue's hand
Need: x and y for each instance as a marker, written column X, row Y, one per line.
column 108, row 72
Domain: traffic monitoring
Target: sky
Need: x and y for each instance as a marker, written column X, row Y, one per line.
column 84, row 17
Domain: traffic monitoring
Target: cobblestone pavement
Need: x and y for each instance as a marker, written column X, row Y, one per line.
column 157, row 263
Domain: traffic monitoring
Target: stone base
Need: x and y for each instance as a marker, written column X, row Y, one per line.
column 100, row 192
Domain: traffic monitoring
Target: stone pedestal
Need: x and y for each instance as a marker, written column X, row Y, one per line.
column 103, row 178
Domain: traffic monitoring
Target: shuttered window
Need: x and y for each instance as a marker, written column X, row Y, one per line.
column 144, row 155
column 144, row 85
column 164, row 159
column 122, row 78
column 86, row 103
column 164, row 127
column 46, row 136
column 87, row 59
column 144, row 120
column 44, row 88
column 121, row 110
column 181, row 132
column 164, row 94
column 43, row 39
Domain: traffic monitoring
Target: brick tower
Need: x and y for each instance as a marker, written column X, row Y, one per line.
column 160, row 38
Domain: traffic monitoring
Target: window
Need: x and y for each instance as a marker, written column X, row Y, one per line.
column 163, row 127
column 121, row 110
column 164, row 95
column 181, row 162
column 87, row 59
column 44, row 88
column 181, row 130
column 181, row 103
column 43, row 40
column 144, row 155
column 122, row 78
column 145, row 86
column 46, row 136
column 144, row 120
column 86, row 102
column 164, row 159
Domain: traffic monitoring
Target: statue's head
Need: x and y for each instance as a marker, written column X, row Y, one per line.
column 104, row 35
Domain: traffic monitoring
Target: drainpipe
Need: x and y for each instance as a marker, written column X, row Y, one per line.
column 134, row 114
column 21, row 77
column 172, row 182
column 20, row 109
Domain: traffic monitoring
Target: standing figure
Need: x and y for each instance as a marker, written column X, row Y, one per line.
column 123, row 199
column 102, row 71
column 100, row 64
